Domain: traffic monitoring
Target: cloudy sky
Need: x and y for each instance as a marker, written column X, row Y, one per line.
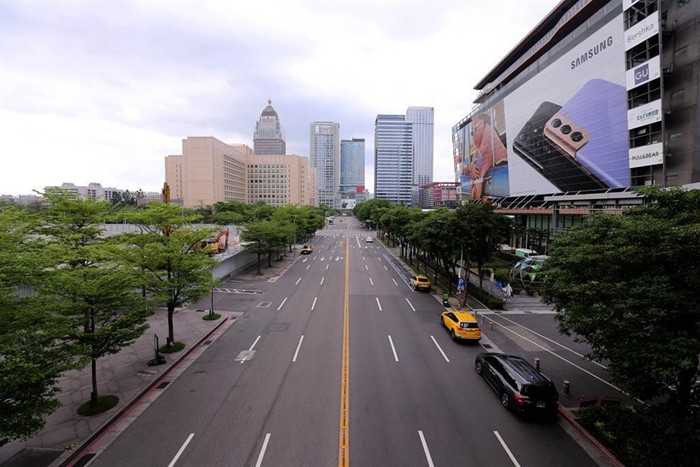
column 101, row 91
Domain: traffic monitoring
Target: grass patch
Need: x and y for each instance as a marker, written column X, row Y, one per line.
column 174, row 347
column 211, row 317
column 104, row 403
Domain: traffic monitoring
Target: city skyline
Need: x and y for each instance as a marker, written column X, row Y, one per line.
column 102, row 92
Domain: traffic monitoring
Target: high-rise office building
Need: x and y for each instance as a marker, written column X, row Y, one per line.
column 352, row 169
column 269, row 134
column 421, row 119
column 324, row 156
column 393, row 158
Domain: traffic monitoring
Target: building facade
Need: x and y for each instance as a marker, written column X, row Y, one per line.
column 352, row 170
column 422, row 133
column 324, row 156
column 601, row 97
column 278, row 180
column 393, row 159
column 438, row 195
column 269, row 134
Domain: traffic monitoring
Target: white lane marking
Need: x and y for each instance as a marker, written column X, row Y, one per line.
column 425, row 449
column 363, row 258
column 440, row 349
column 560, row 357
column 370, row 281
column 182, row 449
column 386, row 268
column 323, row 258
column 379, row 258
column 327, row 266
column 298, row 347
column 396, row 283
column 256, row 341
column 366, row 267
column 554, row 342
column 510, row 454
column 313, row 305
column 304, row 260
column 262, row 451
column 409, row 304
column 322, row 279
column 285, row 299
column 396, row 357
column 307, row 267
column 297, row 282
column 379, row 304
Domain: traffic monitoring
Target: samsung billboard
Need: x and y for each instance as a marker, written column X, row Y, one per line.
column 565, row 129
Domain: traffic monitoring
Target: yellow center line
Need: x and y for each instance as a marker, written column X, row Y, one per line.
column 343, row 449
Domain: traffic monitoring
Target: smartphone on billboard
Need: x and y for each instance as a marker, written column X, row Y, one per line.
column 591, row 130
column 562, row 170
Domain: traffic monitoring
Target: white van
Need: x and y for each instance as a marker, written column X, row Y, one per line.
column 524, row 253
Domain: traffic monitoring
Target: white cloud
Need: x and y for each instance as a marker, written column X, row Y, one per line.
column 102, row 92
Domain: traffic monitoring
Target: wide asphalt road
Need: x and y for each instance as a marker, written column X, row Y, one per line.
column 339, row 362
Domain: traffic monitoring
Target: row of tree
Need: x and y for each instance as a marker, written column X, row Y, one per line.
column 624, row 284
column 70, row 295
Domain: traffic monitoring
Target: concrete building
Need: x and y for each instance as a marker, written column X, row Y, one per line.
column 393, row 159
column 208, row 171
column 599, row 98
column 269, row 134
column 439, row 194
column 93, row 191
column 324, row 155
column 352, row 169
column 278, row 180
column 211, row 171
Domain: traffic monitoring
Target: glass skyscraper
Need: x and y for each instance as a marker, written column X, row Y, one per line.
column 352, row 167
column 324, row 156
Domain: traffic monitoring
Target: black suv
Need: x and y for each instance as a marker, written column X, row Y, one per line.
column 521, row 387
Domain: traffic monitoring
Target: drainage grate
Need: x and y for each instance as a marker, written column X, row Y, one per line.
column 486, row 346
column 163, row 385
column 207, row 342
column 83, row 461
column 264, row 305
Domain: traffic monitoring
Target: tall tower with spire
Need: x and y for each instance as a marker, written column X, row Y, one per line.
column 269, row 134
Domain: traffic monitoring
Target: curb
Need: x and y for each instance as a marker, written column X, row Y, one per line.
column 590, row 438
column 76, row 453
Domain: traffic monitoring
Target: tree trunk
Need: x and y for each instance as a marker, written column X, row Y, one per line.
column 171, row 329
column 93, row 394
column 269, row 259
column 259, row 264
column 467, row 273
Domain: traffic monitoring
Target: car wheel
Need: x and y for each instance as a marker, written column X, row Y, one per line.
column 452, row 335
column 442, row 322
column 415, row 287
column 505, row 400
column 478, row 368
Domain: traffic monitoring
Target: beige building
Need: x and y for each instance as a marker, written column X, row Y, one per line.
column 209, row 171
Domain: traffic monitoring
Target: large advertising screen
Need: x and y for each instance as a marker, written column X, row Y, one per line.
column 565, row 129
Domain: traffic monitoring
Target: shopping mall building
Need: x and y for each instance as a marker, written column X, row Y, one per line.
column 599, row 98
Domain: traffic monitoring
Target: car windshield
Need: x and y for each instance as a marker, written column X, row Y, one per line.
column 468, row 325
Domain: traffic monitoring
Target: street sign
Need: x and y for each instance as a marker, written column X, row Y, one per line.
column 460, row 283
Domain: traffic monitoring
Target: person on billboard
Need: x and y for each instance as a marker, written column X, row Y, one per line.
column 489, row 153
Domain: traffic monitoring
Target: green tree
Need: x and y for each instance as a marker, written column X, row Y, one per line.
column 167, row 259
column 85, row 282
column 34, row 350
column 627, row 285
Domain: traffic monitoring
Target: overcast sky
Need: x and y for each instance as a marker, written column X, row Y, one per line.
column 101, row 91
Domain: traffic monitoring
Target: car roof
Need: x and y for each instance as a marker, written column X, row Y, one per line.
column 465, row 316
column 520, row 368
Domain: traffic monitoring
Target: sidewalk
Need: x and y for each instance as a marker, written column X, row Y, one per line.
column 124, row 375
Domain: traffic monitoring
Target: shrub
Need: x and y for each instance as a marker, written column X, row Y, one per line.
column 645, row 436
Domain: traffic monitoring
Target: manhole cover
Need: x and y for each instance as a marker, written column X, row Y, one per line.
column 245, row 355
column 278, row 327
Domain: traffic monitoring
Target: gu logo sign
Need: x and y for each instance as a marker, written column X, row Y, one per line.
column 641, row 74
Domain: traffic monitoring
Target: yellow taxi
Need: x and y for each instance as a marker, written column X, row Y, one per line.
column 461, row 325
column 420, row 283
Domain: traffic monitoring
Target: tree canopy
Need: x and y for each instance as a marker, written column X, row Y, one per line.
column 627, row 285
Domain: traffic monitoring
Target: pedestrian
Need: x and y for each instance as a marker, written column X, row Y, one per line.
column 508, row 291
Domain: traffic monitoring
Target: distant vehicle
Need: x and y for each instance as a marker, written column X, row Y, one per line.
column 217, row 244
column 420, row 283
column 306, row 250
column 461, row 325
column 369, row 240
column 524, row 252
column 520, row 386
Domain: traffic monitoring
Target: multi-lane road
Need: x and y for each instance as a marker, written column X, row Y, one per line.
column 338, row 362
